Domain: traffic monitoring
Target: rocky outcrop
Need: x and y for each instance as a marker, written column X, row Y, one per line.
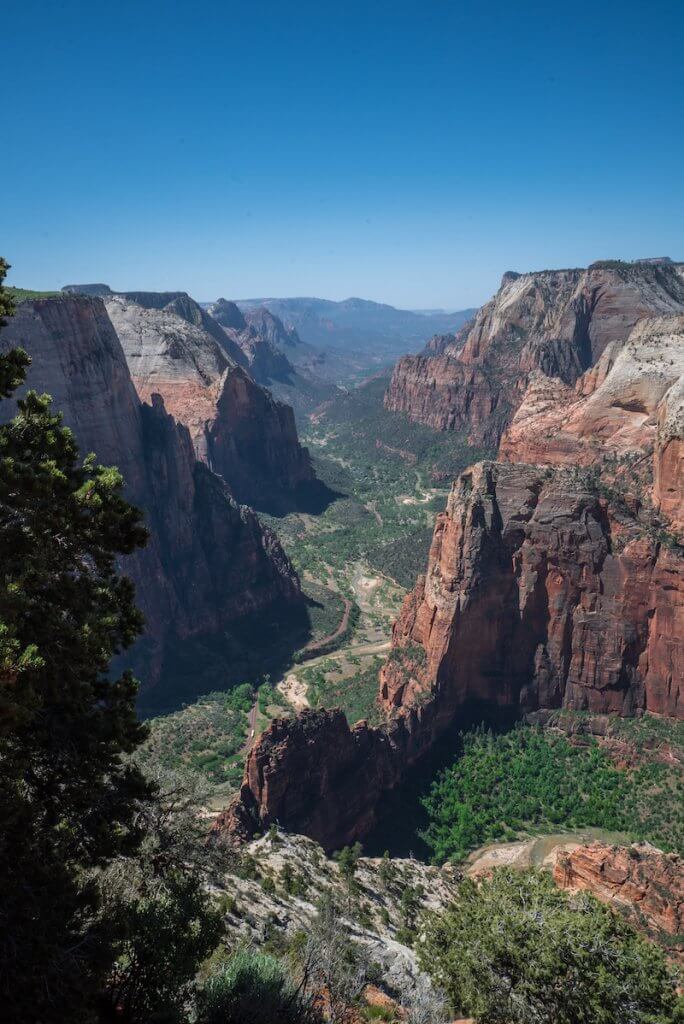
column 178, row 351
column 644, row 884
column 302, row 876
column 316, row 775
column 557, row 322
column 539, row 594
column 209, row 562
column 628, row 404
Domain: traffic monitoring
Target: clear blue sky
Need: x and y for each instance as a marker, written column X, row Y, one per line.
column 408, row 152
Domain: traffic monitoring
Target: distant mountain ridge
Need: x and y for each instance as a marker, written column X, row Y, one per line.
column 354, row 322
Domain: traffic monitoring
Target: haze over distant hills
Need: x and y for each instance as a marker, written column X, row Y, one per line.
column 358, row 336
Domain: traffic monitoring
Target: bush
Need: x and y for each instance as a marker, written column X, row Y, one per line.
column 253, row 988
column 516, row 950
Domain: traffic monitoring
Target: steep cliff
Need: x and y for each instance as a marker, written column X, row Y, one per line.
column 557, row 322
column 644, row 884
column 274, row 355
column 209, row 562
column 175, row 349
column 539, row 593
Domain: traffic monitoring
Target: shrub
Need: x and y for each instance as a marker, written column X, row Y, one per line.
column 253, row 988
column 516, row 950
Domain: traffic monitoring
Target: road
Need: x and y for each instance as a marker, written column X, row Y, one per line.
column 251, row 727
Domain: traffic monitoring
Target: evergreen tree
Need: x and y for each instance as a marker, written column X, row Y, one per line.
column 67, row 795
column 516, row 950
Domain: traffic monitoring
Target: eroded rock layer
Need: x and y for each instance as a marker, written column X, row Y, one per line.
column 176, row 350
column 644, row 884
column 209, row 562
column 557, row 322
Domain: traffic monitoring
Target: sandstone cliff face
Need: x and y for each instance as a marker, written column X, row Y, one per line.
column 176, row 350
column 641, row 882
column 557, row 322
column 539, row 594
column 629, row 403
column 208, row 562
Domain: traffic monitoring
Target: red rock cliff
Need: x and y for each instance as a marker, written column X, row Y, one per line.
column 557, row 322
column 208, row 562
column 539, row 594
column 644, row 884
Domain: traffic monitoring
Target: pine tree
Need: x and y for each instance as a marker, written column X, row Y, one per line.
column 67, row 794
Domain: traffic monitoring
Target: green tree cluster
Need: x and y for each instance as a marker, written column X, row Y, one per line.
column 503, row 785
column 517, row 950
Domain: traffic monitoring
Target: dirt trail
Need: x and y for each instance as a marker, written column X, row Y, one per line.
column 314, row 645
column 251, row 727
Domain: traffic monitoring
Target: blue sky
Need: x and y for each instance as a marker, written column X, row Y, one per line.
column 408, row 152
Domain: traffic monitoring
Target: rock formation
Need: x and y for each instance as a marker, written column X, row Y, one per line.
column 555, row 577
column 641, row 882
column 614, row 409
column 558, row 322
column 539, row 593
column 209, row 562
column 175, row 349
column 274, row 355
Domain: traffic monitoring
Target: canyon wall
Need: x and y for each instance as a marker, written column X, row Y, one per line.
column 178, row 351
column 209, row 562
column 557, row 322
column 555, row 577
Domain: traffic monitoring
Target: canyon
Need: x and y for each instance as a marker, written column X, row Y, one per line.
column 555, row 578
column 209, row 563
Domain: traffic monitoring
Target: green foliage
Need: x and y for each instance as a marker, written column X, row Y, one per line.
column 156, row 907
column 26, row 294
column 356, row 694
column 348, row 860
column 516, row 950
column 170, row 930
column 206, row 737
column 387, row 870
column 502, row 786
column 253, row 988
column 67, row 796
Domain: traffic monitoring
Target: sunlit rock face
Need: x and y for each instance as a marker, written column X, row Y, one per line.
column 209, row 562
column 176, row 350
column 557, row 322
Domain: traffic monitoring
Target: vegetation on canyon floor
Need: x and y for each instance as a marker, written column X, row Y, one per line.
column 504, row 786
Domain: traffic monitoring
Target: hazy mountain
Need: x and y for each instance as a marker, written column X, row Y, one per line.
column 352, row 338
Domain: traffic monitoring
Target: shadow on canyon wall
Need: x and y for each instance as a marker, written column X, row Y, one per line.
column 403, row 816
column 260, row 645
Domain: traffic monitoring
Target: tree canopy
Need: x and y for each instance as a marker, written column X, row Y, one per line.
column 516, row 950
column 67, row 792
